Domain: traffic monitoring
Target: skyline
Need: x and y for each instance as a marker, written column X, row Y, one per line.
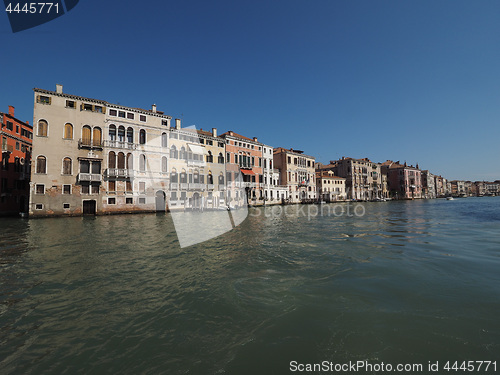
column 415, row 83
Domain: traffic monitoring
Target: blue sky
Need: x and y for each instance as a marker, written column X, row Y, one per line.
column 410, row 81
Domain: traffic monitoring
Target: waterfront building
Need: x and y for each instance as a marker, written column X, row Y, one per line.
column 95, row 157
column 297, row 172
column 458, row 188
column 440, row 188
column 492, row 188
column 244, row 155
column 428, row 185
column 478, row 188
column 363, row 177
column 405, row 181
column 16, row 138
column 273, row 192
column 468, row 188
column 196, row 169
column 330, row 188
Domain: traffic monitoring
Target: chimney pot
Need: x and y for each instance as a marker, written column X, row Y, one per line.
column 177, row 123
column 214, row 132
column 59, row 88
column 11, row 110
column 255, row 139
column 153, row 108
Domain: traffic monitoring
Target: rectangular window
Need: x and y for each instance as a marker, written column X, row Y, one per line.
column 70, row 104
column 10, row 125
column 38, row 206
column 164, row 122
column 173, row 195
column 112, row 112
column 142, row 118
column 40, row 189
column 130, row 115
column 87, row 107
column 65, row 206
column 129, row 200
column 142, row 187
column 121, row 114
column 66, row 189
column 43, row 99
column 17, row 145
column 95, row 189
column 17, row 129
column 85, row 188
column 98, row 109
column 128, row 186
column 111, row 200
column 111, row 185
column 142, row 200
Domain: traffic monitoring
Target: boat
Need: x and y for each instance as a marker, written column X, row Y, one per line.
column 450, row 198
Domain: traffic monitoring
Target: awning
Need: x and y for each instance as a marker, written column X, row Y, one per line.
column 197, row 149
column 247, row 172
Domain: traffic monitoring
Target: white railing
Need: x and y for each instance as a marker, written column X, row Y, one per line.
column 120, row 144
column 119, row 172
column 89, row 177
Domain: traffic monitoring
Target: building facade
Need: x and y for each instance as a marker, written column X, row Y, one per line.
column 330, row 188
column 405, row 181
column 297, row 172
column 94, row 157
column 16, row 138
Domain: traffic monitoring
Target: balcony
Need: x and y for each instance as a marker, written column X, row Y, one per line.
column 120, row 144
column 184, row 186
column 93, row 177
column 88, row 143
column 119, row 173
column 195, row 186
column 7, row 148
column 248, row 184
column 174, row 186
column 195, row 163
column 210, row 186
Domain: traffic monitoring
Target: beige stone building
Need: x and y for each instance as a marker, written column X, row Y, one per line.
column 297, row 171
column 330, row 188
column 95, row 157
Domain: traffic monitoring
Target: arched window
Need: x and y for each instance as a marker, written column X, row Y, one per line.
column 173, row 152
column 97, row 136
column 112, row 133
column 66, row 166
column 121, row 134
column 130, row 161
column 164, row 164
column 121, row 160
column 174, row 177
column 130, row 135
column 221, row 158
column 221, row 179
column 196, row 177
column 111, row 159
column 142, row 162
column 183, row 153
column 210, row 157
column 86, row 135
column 142, row 137
column 41, row 164
column 68, row 131
column 43, row 128
column 210, row 179
column 164, row 141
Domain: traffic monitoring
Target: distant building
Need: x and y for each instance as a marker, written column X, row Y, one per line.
column 364, row 180
column 330, row 188
column 405, row 181
column 458, row 188
column 297, row 172
column 16, row 138
column 428, row 185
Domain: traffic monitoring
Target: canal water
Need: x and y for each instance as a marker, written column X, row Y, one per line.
column 397, row 282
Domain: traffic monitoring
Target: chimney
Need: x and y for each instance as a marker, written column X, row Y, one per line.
column 230, row 132
column 11, row 110
column 59, row 88
column 153, row 108
column 214, row 132
column 177, row 123
column 255, row 139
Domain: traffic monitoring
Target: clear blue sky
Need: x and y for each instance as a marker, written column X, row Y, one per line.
column 416, row 81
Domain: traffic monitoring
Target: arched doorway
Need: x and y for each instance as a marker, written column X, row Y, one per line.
column 160, row 201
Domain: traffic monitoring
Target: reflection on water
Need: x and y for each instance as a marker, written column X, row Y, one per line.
column 407, row 282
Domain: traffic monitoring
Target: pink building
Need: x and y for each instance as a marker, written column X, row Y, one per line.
column 405, row 181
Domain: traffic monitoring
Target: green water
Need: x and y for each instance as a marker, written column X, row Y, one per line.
column 408, row 282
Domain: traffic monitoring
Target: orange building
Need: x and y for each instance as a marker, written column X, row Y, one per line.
column 16, row 137
column 244, row 155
